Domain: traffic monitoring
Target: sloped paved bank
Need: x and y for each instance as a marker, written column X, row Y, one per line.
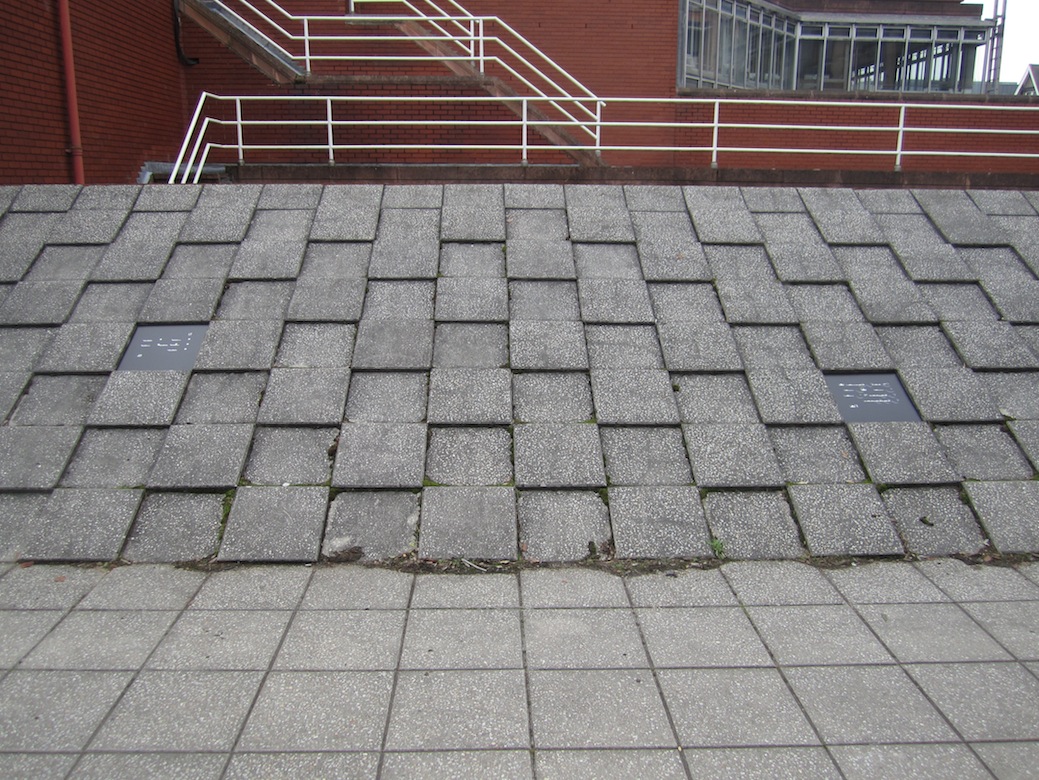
column 495, row 372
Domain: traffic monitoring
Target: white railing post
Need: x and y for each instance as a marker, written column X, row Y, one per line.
column 599, row 106
column 524, row 116
column 714, row 140
column 901, row 136
column 187, row 141
column 241, row 136
column 483, row 38
column 331, row 138
column 306, row 44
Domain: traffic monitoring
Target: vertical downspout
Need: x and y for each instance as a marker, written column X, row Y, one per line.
column 71, row 94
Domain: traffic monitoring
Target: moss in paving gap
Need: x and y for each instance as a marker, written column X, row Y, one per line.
column 718, row 547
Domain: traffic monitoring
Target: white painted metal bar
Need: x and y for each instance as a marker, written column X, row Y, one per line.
column 901, row 137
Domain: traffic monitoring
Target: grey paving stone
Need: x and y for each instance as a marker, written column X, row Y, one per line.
column 1002, row 202
column 668, row 248
column 139, row 398
column 927, row 633
column 777, row 583
column 794, row 762
column 86, row 347
column 85, row 524
column 823, row 303
column 349, row 213
column 22, row 238
column 846, row 346
column 56, row 587
column 145, row 587
column 543, row 300
column 954, row 302
column 255, row 300
column 978, row 583
column 598, row 214
column 582, row 639
column 472, row 299
column 275, row 524
column 923, row 761
column 552, row 397
column 701, row 637
column 493, row 591
column 462, row 639
column 239, row 345
column 710, row 707
column 221, row 214
column 390, row 455
column 835, row 634
column 335, row 261
column 259, row 765
column 63, row 263
column 33, row 458
column 297, row 456
column 88, row 226
column 155, row 713
column 653, row 197
column 407, row 244
column 274, row 246
column 731, row 455
column 101, row 765
column 387, row 397
column 413, row 196
column 1020, row 234
column 816, row 455
column 660, row 763
column 547, row 345
column 200, row 261
column 658, row 522
column 142, row 248
column 7, row 195
column 571, row 587
column 180, row 300
column 844, row 520
column 924, row 254
column 633, row 397
column 698, row 346
column 840, row 216
column 12, row 385
column 470, row 345
column 754, row 302
column 349, row 587
column 110, row 303
column 607, row 261
column 468, row 522
column 222, row 398
column 315, row 345
column 772, row 200
column 393, row 299
column 675, row 302
column 469, row 456
column 1012, row 624
column 792, row 396
column 1015, row 394
column 958, row 218
column 707, row 398
column 950, row 395
column 463, row 717
column 645, row 456
column 902, row 453
column 290, row 196
column 881, row 287
column 1009, row 512
column 534, row 196
column 473, row 212
column 201, row 456
column 894, row 709
column 773, row 347
column 56, row 710
column 886, row 582
column 623, row 346
column 722, row 223
column 558, row 455
column 161, row 197
column 111, row 196
column 470, row 396
column 752, row 525
column 385, row 343
column 112, row 639
column 327, row 299
column 175, row 527
column 18, row 518
column 45, row 198
column 990, row 345
column 113, row 458
column 628, row 712
column 304, row 396
column 539, row 259
column 546, row 224
column 63, row 399
column 40, row 303
column 984, row 701
column 21, row 347
column 233, row 640
column 558, row 525
column 797, row 251
column 473, row 260
column 1009, row 758
column 984, row 452
column 1026, row 432
column 614, row 301
column 1010, row 285
column 252, row 587
column 919, row 347
column 374, row 525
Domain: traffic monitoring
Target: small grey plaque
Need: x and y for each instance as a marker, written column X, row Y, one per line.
column 871, row 398
column 163, row 348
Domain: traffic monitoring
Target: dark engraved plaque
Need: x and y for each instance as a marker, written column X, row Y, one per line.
column 871, row 398
column 163, row 348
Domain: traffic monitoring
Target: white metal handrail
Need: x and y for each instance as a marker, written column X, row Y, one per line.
column 196, row 149
column 470, row 34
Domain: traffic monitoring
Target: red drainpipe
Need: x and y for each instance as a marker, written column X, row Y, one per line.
column 71, row 96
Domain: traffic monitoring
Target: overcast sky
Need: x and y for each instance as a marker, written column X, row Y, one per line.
column 1021, row 42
